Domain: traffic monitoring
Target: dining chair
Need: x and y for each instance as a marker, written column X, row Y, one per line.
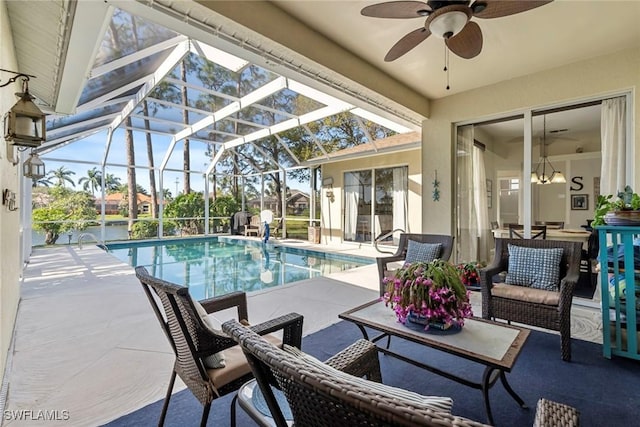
column 516, row 231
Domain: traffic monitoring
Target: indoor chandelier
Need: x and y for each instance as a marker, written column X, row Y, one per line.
column 556, row 177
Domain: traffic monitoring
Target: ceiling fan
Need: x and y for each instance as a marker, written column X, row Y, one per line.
column 448, row 20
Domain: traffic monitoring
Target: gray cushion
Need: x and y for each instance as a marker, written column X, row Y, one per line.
column 435, row 403
column 534, row 267
column 422, row 252
column 216, row 360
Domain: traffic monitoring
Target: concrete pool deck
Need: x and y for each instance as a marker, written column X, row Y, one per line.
column 86, row 340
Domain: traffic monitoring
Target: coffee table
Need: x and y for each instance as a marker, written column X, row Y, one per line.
column 496, row 346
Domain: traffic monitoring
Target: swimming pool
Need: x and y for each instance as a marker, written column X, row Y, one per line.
column 216, row 266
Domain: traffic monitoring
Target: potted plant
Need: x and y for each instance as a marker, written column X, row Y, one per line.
column 470, row 275
column 428, row 293
column 625, row 210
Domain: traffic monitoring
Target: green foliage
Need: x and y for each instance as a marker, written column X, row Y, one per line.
column 73, row 208
column 627, row 200
column 149, row 229
column 187, row 210
column 224, row 206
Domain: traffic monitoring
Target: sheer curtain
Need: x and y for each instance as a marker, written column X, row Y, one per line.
column 485, row 240
column 400, row 184
column 351, row 199
column 613, row 133
column 474, row 235
column 467, row 246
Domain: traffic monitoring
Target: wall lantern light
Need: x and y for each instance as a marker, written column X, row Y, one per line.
column 33, row 167
column 24, row 124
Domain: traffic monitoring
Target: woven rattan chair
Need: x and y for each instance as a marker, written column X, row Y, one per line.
column 533, row 306
column 192, row 341
column 401, row 253
column 319, row 398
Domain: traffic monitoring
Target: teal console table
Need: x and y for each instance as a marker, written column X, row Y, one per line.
column 621, row 291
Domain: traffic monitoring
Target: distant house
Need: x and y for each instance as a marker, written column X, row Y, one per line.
column 297, row 201
column 114, row 201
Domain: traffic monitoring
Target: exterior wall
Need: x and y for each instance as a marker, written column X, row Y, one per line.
column 10, row 258
column 610, row 74
column 333, row 209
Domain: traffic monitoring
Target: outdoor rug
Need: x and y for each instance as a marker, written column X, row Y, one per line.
column 606, row 392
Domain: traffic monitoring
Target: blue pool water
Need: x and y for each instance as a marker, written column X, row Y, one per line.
column 213, row 266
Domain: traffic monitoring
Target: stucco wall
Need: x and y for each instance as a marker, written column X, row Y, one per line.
column 333, row 210
column 10, row 264
column 607, row 75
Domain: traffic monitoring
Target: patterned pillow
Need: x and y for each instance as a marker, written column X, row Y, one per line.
column 434, row 403
column 534, row 267
column 422, row 252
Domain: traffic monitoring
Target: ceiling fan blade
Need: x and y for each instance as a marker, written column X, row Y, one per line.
column 499, row 8
column 408, row 42
column 397, row 9
column 468, row 42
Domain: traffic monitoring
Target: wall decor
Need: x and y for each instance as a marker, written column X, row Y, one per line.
column 596, row 188
column 436, row 188
column 489, row 194
column 579, row 202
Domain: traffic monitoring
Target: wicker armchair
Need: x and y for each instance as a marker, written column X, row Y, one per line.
column 318, row 398
column 401, row 253
column 535, row 307
column 192, row 341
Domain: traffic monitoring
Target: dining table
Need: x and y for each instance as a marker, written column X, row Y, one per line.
column 574, row 235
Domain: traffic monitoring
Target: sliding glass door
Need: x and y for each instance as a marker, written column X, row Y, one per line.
column 375, row 204
column 546, row 166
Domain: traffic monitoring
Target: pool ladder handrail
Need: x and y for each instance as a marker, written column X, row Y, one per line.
column 100, row 243
column 384, row 236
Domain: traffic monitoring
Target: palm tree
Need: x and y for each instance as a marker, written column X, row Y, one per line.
column 62, row 175
column 92, row 181
column 43, row 182
column 111, row 182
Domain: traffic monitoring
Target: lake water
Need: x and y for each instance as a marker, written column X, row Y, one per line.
column 113, row 232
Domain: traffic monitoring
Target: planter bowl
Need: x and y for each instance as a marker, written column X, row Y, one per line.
column 622, row 218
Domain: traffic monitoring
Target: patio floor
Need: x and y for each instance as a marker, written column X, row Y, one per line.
column 87, row 342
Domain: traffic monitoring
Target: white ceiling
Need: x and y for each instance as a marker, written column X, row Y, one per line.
column 558, row 33
column 550, row 36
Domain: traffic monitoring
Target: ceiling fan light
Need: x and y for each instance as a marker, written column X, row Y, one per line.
column 448, row 24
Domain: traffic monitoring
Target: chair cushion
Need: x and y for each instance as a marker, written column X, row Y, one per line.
column 236, row 364
column 534, row 267
column 523, row 293
column 434, row 403
column 216, row 360
column 422, row 252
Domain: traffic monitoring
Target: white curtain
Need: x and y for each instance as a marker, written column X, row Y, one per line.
column 613, row 132
column 400, row 190
column 467, row 241
column 351, row 199
column 485, row 240
column 474, row 241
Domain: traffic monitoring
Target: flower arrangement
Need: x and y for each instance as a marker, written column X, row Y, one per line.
column 433, row 291
column 469, row 273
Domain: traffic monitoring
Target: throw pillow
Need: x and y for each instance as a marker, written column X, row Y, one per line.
column 434, row 403
column 534, row 267
column 216, row 360
column 422, row 252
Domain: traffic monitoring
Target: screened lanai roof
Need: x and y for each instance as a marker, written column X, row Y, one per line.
column 175, row 89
